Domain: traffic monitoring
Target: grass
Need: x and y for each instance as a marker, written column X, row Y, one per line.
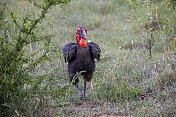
column 122, row 75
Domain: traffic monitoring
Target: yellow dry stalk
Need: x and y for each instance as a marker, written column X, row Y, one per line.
column 156, row 12
column 148, row 2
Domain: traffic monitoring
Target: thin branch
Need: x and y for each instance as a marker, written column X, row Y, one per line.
column 42, row 15
column 42, row 38
column 35, row 62
column 14, row 20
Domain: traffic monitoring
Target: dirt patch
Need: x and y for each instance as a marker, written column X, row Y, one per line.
column 90, row 109
column 85, row 106
column 104, row 115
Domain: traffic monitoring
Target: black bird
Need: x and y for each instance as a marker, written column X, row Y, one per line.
column 80, row 56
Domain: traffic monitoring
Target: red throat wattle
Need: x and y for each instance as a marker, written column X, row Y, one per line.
column 82, row 41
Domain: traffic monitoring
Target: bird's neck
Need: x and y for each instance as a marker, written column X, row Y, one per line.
column 80, row 47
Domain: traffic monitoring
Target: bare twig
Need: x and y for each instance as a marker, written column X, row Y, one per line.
column 78, row 74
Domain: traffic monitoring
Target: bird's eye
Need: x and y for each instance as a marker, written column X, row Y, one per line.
column 79, row 30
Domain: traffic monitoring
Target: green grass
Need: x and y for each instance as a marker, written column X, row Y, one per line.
column 122, row 75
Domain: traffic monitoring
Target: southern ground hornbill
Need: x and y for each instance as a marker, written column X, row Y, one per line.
column 80, row 56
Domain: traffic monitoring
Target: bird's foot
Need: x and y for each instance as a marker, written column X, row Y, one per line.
column 82, row 96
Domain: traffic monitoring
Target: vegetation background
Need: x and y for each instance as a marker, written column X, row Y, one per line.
column 136, row 75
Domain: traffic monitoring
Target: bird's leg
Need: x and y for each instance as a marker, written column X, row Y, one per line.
column 91, row 85
column 80, row 92
column 84, row 87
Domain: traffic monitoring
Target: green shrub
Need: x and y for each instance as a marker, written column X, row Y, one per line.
column 21, row 91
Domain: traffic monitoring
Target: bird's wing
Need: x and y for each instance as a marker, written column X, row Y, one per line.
column 95, row 50
column 69, row 51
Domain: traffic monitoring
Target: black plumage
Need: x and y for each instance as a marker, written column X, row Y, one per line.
column 80, row 56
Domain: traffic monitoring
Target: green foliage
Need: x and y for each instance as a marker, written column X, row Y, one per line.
column 118, row 90
column 125, row 72
column 18, row 87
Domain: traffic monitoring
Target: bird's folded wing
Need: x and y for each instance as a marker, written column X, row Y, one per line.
column 95, row 50
column 69, row 51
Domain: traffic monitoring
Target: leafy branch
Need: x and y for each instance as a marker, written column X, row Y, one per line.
column 13, row 74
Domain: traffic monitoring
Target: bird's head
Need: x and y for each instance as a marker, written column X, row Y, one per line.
column 81, row 36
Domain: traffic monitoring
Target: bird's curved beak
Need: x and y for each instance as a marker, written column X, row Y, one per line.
column 84, row 35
